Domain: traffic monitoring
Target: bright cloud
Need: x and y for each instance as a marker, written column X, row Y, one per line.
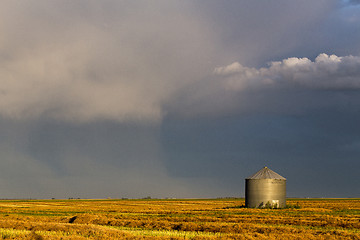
column 326, row 72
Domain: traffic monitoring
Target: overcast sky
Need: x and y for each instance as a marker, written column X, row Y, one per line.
column 178, row 99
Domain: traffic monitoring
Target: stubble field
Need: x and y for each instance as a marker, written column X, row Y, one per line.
column 178, row 219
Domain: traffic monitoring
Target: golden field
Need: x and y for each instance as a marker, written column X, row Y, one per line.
column 178, row 219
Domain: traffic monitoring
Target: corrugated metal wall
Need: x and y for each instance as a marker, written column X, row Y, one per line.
column 265, row 192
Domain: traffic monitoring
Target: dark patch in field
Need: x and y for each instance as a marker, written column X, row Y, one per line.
column 71, row 220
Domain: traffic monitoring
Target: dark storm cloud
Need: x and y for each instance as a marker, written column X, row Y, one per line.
column 296, row 115
column 258, row 32
column 290, row 86
column 105, row 159
column 82, row 88
column 174, row 98
column 316, row 152
column 89, row 60
column 354, row 2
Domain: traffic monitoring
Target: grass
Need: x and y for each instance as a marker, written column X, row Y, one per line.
column 168, row 233
column 178, row 219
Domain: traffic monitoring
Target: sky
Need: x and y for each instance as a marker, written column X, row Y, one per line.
column 178, row 99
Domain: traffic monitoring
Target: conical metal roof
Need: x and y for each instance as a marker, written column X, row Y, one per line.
column 266, row 173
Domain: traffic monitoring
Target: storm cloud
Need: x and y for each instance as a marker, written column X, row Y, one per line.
column 87, row 60
column 177, row 98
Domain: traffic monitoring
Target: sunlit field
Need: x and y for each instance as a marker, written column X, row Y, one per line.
column 178, row 219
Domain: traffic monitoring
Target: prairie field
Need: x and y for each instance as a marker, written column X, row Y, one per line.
column 178, row 219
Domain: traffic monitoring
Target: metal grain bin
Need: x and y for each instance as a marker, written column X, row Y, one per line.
column 265, row 188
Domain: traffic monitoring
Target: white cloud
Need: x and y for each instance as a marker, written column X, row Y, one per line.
column 326, row 72
column 232, row 68
column 290, row 86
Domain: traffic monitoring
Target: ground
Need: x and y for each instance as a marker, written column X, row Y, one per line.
column 178, row 219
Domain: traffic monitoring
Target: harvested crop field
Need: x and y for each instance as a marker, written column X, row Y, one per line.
column 178, row 219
